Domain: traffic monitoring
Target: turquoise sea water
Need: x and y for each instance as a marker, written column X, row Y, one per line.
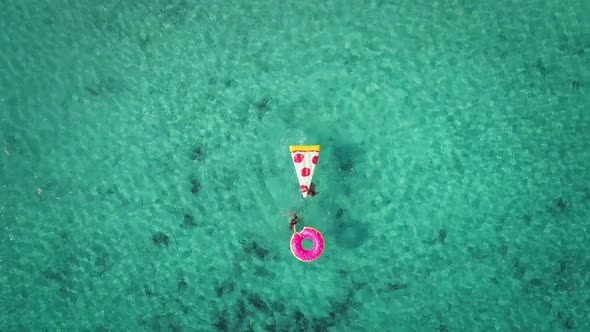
column 145, row 175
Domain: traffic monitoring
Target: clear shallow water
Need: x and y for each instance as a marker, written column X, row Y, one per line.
column 145, row 176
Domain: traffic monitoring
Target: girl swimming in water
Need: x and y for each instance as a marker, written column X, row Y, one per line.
column 311, row 192
column 294, row 221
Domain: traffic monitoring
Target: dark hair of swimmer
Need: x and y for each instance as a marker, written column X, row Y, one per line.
column 312, row 191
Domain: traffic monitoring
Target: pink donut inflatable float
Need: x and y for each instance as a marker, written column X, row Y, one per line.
column 297, row 244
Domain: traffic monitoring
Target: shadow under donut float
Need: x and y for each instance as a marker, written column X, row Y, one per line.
column 297, row 244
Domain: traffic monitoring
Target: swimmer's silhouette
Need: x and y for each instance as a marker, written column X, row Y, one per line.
column 312, row 191
column 294, row 221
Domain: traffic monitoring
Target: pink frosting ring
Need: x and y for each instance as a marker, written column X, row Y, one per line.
column 297, row 244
